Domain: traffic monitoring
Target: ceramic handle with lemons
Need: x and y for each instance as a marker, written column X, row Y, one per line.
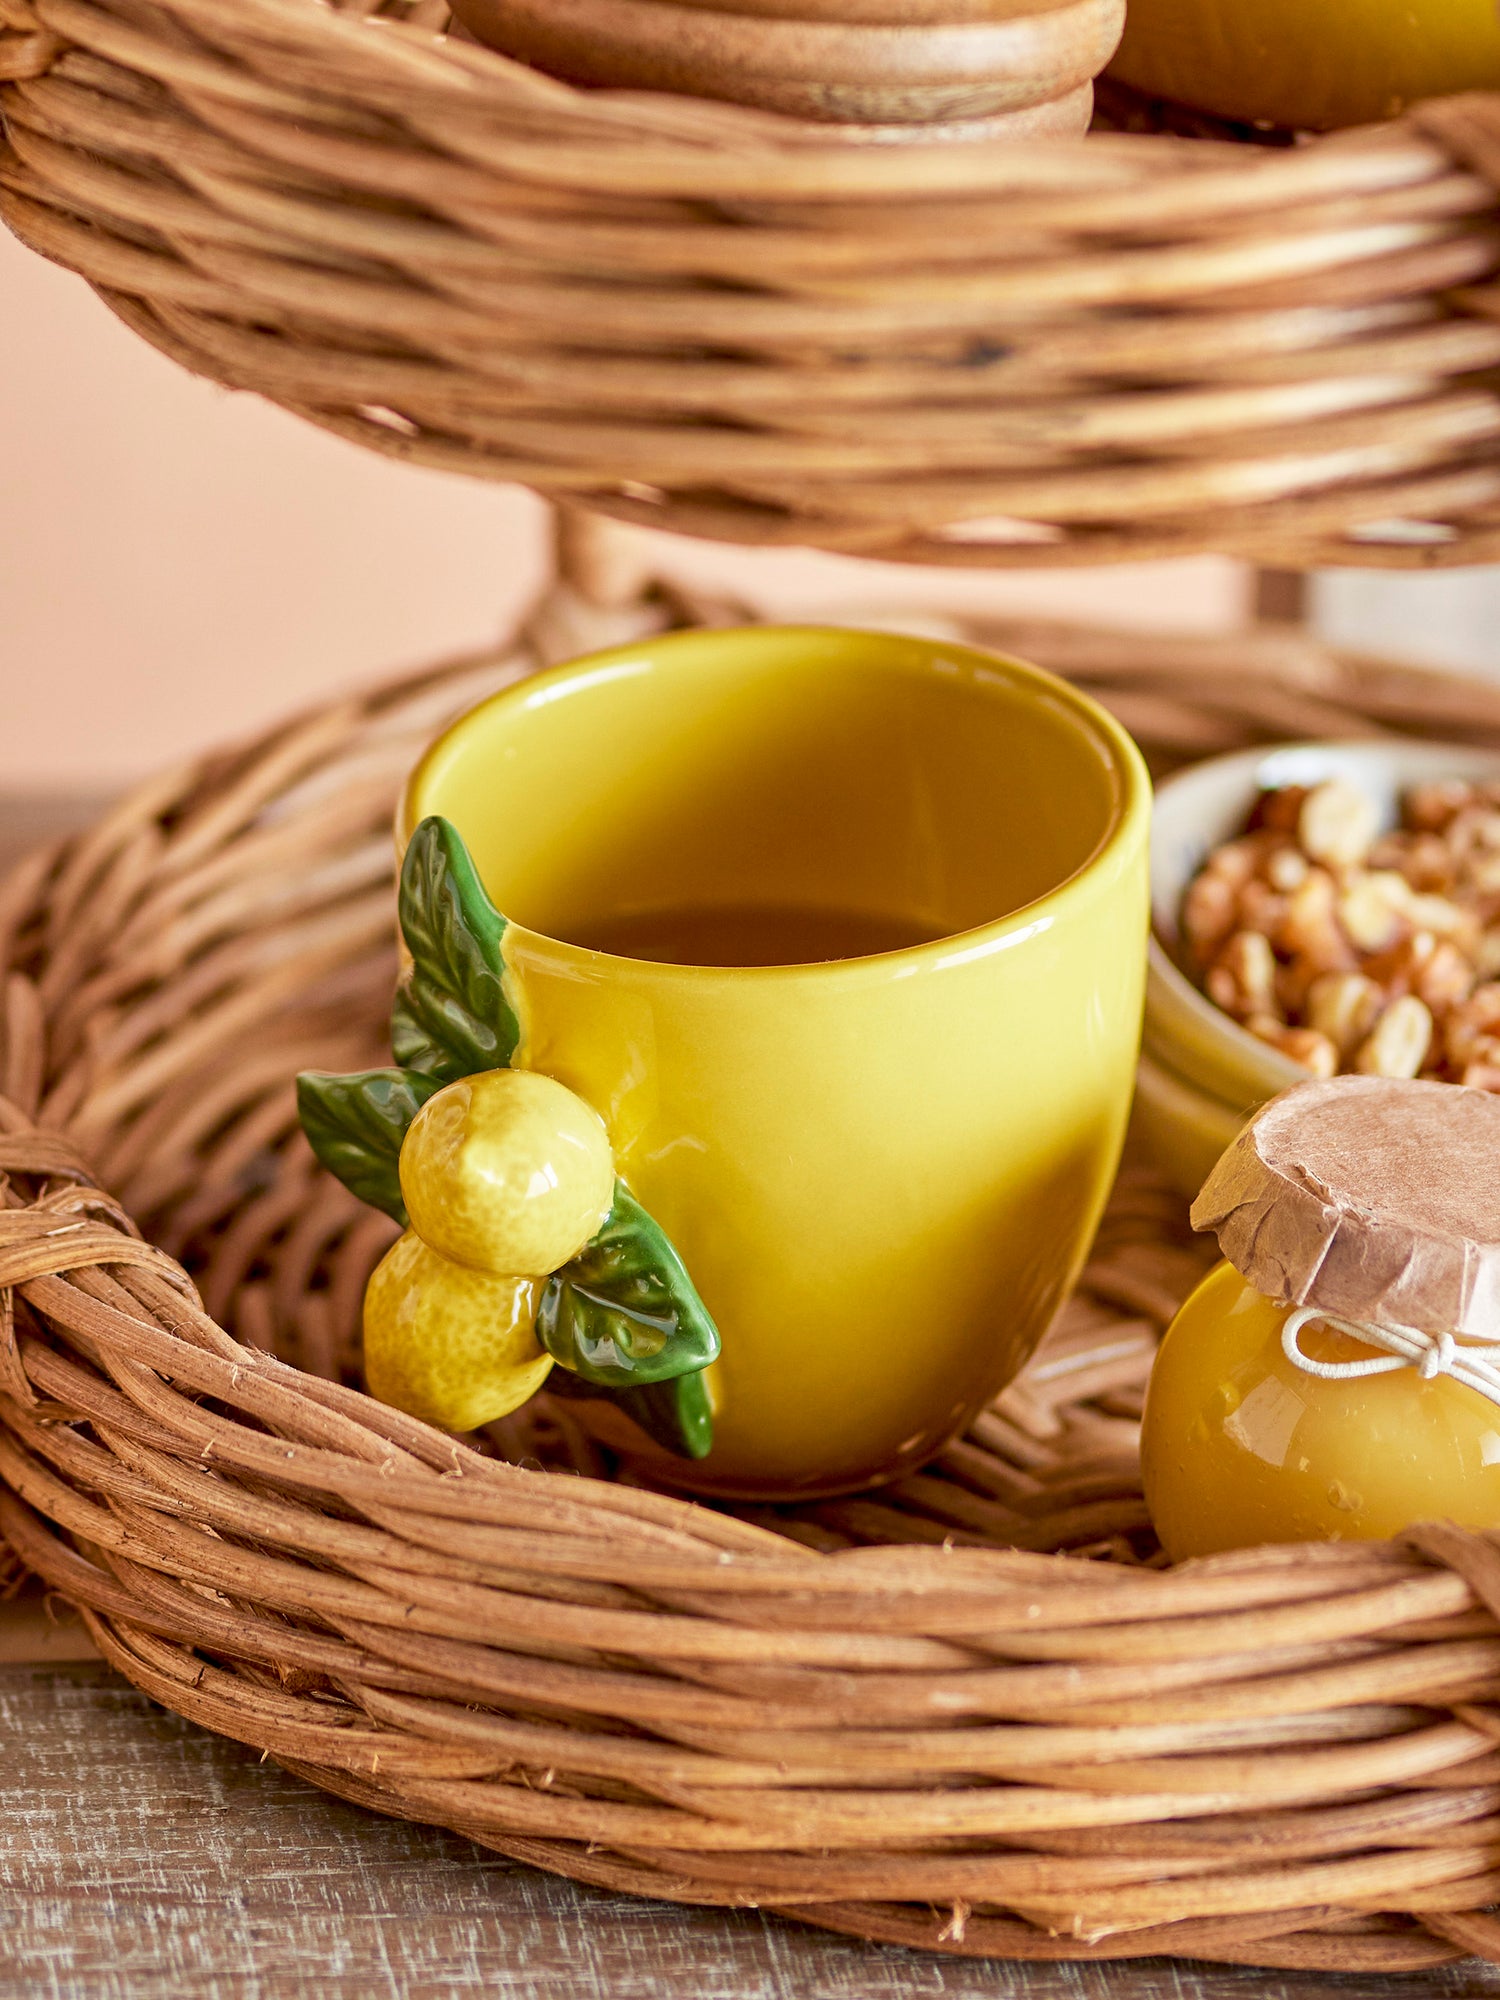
column 521, row 1247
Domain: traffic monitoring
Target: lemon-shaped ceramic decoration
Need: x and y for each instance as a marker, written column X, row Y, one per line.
column 507, row 1171
column 522, row 1247
column 452, row 1345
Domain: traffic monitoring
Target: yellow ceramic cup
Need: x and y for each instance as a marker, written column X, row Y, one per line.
column 881, row 1172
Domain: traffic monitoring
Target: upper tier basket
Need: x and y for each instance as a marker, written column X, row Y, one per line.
column 709, row 319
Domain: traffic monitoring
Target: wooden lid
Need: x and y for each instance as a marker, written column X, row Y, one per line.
column 1368, row 1198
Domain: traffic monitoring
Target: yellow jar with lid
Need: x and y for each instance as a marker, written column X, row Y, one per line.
column 1338, row 1377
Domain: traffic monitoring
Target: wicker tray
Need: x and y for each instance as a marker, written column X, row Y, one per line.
column 717, row 321
column 971, row 1711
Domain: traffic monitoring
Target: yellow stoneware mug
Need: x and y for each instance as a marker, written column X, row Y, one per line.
column 843, row 936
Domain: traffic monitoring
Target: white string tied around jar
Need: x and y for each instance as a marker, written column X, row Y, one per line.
column 1431, row 1354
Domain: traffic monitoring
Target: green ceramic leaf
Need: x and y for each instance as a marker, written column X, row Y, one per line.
column 355, row 1125
column 452, row 1016
column 624, row 1312
column 675, row 1414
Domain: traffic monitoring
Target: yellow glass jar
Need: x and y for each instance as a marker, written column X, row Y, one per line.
column 1338, row 1378
column 1241, row 1444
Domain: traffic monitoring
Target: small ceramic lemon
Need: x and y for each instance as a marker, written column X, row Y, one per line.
column 454, row 1346
column 507, row 1172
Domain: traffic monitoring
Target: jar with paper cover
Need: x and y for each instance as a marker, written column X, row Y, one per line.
column 1338, row 1376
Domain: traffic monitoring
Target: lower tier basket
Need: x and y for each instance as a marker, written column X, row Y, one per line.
column 973, row 1712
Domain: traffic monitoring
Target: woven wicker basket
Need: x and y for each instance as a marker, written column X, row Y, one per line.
column 971, row 1711
column 710, row 319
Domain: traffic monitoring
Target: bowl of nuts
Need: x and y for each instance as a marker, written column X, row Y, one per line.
column 1318, row 909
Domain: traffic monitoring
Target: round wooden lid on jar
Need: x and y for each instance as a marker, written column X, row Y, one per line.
column 1371, row 1199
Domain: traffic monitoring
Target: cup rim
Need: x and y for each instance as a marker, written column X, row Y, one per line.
column 1127, row 826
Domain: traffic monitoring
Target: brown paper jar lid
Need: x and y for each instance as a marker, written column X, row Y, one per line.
column 1371, row 1199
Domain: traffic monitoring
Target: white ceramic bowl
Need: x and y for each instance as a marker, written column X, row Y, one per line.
column 1201, row 1073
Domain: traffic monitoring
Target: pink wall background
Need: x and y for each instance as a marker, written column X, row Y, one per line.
column 179, row 565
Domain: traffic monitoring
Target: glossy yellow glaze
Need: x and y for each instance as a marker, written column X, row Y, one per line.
column 1240, row 1446
column 507, row 1171
column 1314, row 64
column 882, row 1173
column 451, row 1345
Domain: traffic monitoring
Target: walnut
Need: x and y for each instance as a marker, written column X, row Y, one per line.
column 1395, row 971
column 1399, row 1042
column 1474, row 831
column 1431, row 808
column 1305, row 1046
column 1372, row 909
column 1285, row 869
column 1444, row 978
column 1310, row 928
column 1242, row 979
column 1481, row 874
column 1421, row 859
column 1237, row 860
column 1261, row 908
column 1472, row 1023
column 1278, row 810
column 1210, row 911
column 1343, row 1007
column 1337, row 824
column 1445, row 919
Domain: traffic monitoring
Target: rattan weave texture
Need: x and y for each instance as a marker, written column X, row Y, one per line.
column 971, row 1711
column 947, row 349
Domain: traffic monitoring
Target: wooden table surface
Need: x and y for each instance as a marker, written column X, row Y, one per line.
column 141, row 1857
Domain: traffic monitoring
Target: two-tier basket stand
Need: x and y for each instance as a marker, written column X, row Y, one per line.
column 974, row 1711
